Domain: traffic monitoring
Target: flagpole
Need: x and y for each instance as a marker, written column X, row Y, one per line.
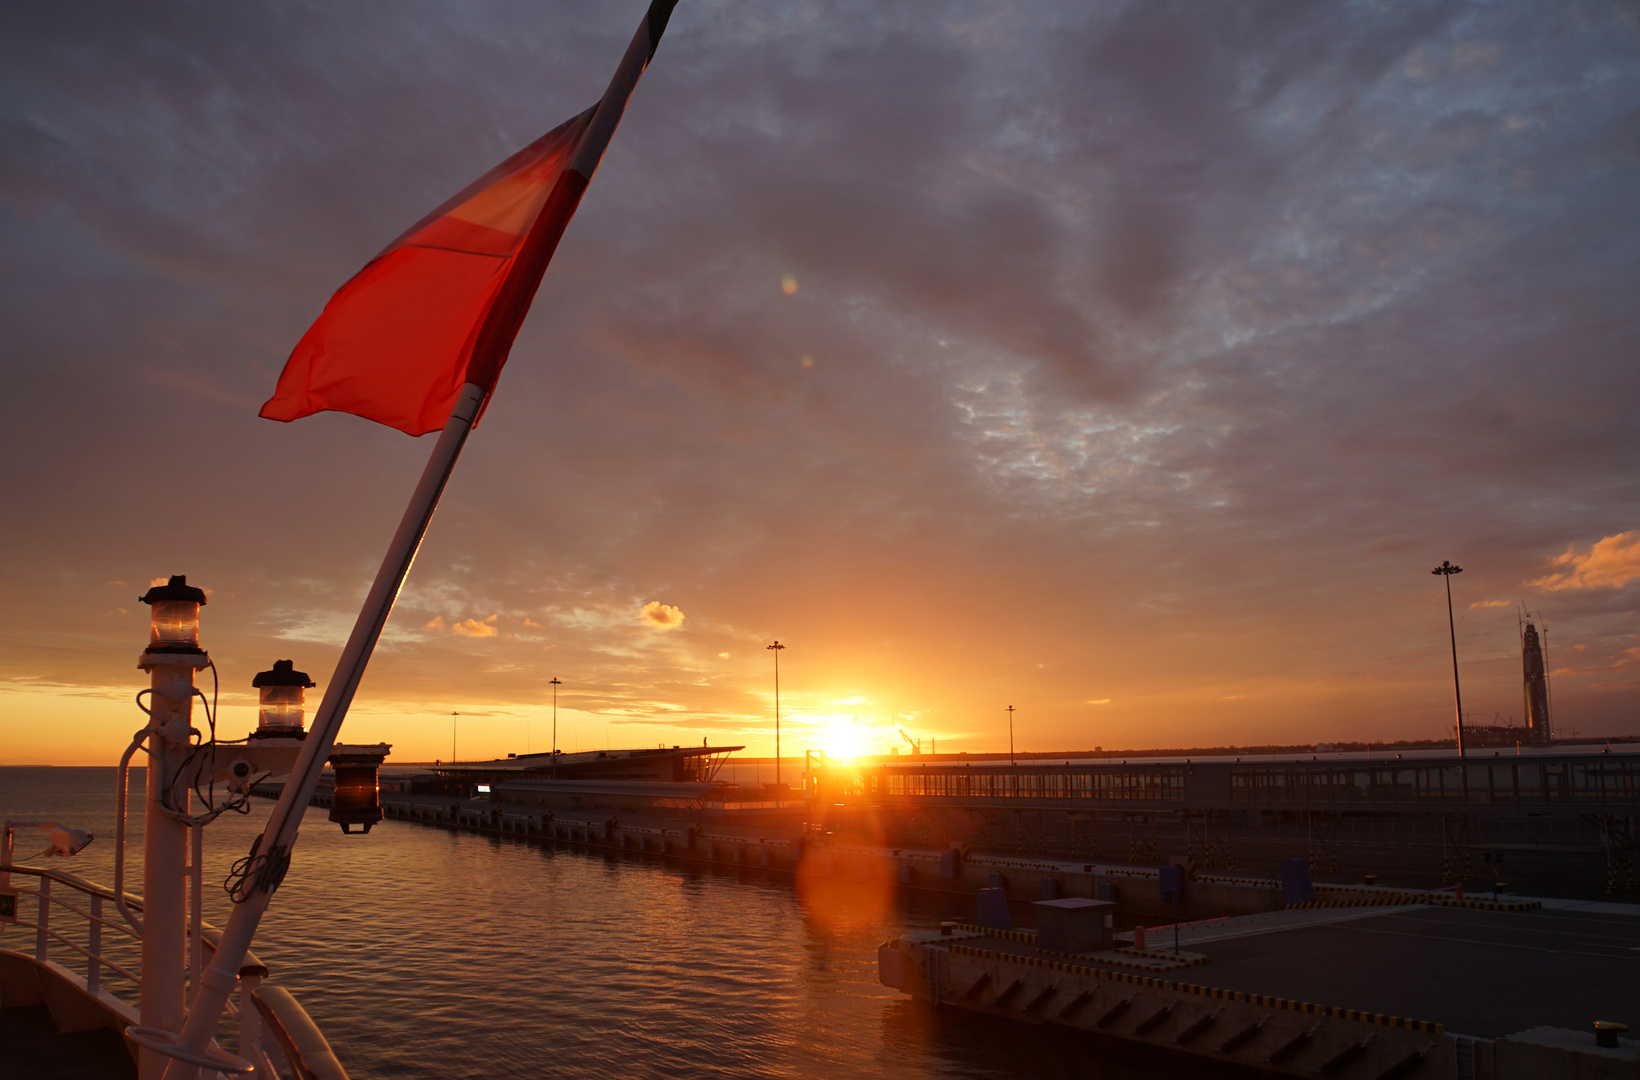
column 273, row 854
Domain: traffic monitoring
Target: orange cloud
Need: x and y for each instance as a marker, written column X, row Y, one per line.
column 474, row 628
column 435, row 623
column 662, row 616
column 1612, row 563
column 1489, row 603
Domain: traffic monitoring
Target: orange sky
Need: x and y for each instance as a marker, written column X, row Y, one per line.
column 1129, row 369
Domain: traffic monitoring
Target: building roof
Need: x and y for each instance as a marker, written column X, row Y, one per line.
column 540, row 764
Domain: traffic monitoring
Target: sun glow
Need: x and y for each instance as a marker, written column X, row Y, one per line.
column 842, row 738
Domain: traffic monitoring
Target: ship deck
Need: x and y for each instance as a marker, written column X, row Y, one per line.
column 36, row 1050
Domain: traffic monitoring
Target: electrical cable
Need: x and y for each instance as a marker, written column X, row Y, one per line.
column 238, row 802
column 257, row 871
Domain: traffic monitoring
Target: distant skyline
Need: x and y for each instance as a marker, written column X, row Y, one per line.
column 1130, row 364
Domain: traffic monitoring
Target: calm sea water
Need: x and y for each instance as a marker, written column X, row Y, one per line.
column 427, row 953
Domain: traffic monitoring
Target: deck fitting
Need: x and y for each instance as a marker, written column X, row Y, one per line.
column 1114, row 1012
column 1243, row 1037
column 1155, row 1019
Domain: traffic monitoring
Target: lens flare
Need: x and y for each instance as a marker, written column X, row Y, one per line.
column 840, row 890
column 788, row 284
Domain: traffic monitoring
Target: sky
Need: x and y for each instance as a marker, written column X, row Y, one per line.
column 1131, row 364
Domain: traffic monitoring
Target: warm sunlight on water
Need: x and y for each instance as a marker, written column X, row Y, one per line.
column 427, row 953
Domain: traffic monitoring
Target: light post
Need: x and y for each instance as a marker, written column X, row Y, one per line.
column 555, row 685
column 1011, row 759
column 776, row 649
column 281, row 700
column 1445, row 571
column 453, row 737
column 171, row 659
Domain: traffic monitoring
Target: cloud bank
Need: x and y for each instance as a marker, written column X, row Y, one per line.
column 983, row 354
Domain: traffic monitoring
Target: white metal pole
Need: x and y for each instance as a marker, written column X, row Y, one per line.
column 196, row 915
column 165, row 852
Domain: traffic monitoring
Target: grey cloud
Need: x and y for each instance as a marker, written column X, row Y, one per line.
column 1164, row 342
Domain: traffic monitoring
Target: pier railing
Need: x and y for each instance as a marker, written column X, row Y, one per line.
column 76, row 920
column 1571, row 784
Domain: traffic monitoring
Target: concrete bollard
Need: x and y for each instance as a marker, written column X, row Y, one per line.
column 992, row 910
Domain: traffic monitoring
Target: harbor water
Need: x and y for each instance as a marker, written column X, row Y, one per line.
column 427, row 953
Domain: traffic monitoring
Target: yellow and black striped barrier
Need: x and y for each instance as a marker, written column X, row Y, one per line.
column 1219, row 993
column 1182, row 960
column 1437, row 899
column 1028, row 937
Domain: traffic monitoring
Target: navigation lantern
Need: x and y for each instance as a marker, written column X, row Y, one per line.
column 174, row 615
column 355, row 801
column 283, row 695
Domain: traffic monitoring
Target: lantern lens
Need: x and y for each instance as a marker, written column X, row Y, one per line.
column 174, row 622
column 282, row 708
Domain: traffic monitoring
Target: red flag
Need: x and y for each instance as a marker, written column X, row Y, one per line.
column 440, row 306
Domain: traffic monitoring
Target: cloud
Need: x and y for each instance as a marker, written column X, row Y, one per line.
column 1100, row 701
column 474, row 628
column 662, row 616
column 1125, row 319
column 1489, row 603
column 1610, row 563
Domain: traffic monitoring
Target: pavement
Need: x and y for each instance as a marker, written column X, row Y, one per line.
column 1481, row 973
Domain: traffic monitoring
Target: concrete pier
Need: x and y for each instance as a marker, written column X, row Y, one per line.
column 950, row 871
column 1414, row 990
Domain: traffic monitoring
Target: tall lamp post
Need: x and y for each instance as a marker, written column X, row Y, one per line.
column 776, row 648
column 1011, row 760
column 453, row 737
column 555, row 685
column 1446, row 570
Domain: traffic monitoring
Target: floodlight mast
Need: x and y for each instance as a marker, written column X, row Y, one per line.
column 555, row 682
column 1445, row 572
column 776, row 648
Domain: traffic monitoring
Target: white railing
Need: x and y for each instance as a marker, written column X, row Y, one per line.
column 275, row 1035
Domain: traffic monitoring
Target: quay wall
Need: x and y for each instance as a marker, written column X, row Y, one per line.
column 1134, row 889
